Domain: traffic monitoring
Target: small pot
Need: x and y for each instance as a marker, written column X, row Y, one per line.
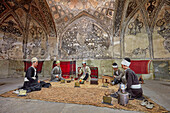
column 68, row 81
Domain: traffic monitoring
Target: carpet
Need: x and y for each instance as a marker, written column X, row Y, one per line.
column 86, row 94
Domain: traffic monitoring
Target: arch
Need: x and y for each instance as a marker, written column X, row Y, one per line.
column 84, row 34
column 82, row 14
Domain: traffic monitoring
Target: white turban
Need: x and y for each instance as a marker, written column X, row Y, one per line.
column 34, row 59
column 125, row 62
column 83, row 62
column 115, row 66
column 57, row 61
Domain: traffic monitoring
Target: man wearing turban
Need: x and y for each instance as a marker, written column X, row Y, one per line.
column 31, row 82
column 56, row 74
column 118, row 75
column 85, row 72
column 133, row 86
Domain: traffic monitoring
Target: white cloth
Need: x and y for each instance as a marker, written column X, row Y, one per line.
column 35, row 71
column 115, row 66
column 25, row 79
column 137, row 86
column 125, row 62
column 117, row 73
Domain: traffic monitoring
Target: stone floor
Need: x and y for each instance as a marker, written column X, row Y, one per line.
column 158, row 91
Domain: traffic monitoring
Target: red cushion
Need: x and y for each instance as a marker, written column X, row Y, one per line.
column 66, row 76
column 67, row 67
column 140, row 66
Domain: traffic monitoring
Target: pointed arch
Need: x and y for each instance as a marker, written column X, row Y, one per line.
column 82, row 14
column 84, row 33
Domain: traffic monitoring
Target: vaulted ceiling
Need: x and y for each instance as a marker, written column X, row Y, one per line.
column 22, row 10
column 68, row 27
